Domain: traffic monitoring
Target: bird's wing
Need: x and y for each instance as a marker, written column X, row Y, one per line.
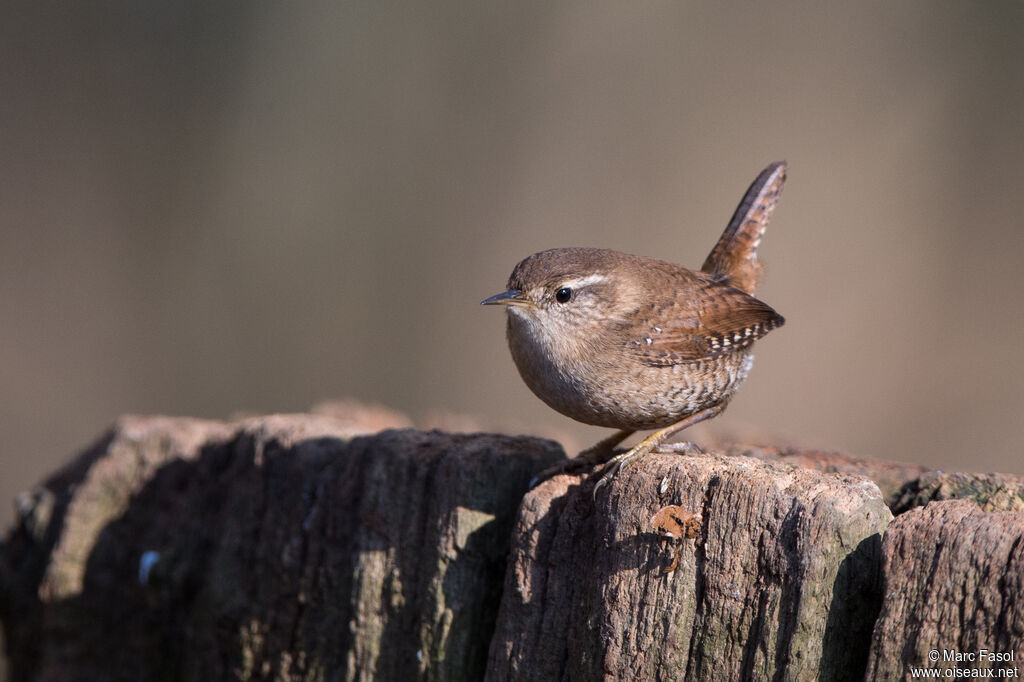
column 728, row 321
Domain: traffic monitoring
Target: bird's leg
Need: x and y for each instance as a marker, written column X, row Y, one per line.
column 596, row 454
column 654, row 440
column 602, row 451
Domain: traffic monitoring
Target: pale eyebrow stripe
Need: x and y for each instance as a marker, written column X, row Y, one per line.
column 587, row 281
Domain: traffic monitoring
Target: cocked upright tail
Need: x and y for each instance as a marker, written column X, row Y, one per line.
column 734, row 258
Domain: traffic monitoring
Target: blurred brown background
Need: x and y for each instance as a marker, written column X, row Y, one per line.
column 215, row 207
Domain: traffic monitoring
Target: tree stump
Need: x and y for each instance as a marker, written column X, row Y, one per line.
column 954, row 594
column 293, row 547
column 274, row 549
column 783, row 582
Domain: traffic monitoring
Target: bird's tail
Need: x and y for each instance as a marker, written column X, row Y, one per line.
column 734, row 258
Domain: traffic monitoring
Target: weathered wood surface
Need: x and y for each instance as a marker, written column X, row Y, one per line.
column 954, row 586
column 289, row 547
column 783, row 582
column 890, row 477
column 992, row 492
column 283, row 551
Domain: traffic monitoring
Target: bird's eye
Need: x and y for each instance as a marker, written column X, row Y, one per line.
column 563, row 295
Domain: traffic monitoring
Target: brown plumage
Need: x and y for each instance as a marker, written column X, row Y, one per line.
column 631, row 343
column 734, row 258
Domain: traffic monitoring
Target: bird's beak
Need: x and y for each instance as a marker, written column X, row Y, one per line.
column 510, row 297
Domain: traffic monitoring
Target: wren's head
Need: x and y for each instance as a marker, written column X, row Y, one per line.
column 561, row 295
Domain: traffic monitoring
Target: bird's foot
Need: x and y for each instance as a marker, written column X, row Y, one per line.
column 587, row 459
column 601, row 452
column 614, row 465
column 653, row 442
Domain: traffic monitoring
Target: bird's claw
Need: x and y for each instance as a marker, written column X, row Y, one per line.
column 613, row 467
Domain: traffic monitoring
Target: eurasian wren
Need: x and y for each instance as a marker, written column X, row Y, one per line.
column 636, row 343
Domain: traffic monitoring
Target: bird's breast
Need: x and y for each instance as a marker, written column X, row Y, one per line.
column 585, row 377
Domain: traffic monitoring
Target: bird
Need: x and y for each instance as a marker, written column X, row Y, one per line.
column 636, row 343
